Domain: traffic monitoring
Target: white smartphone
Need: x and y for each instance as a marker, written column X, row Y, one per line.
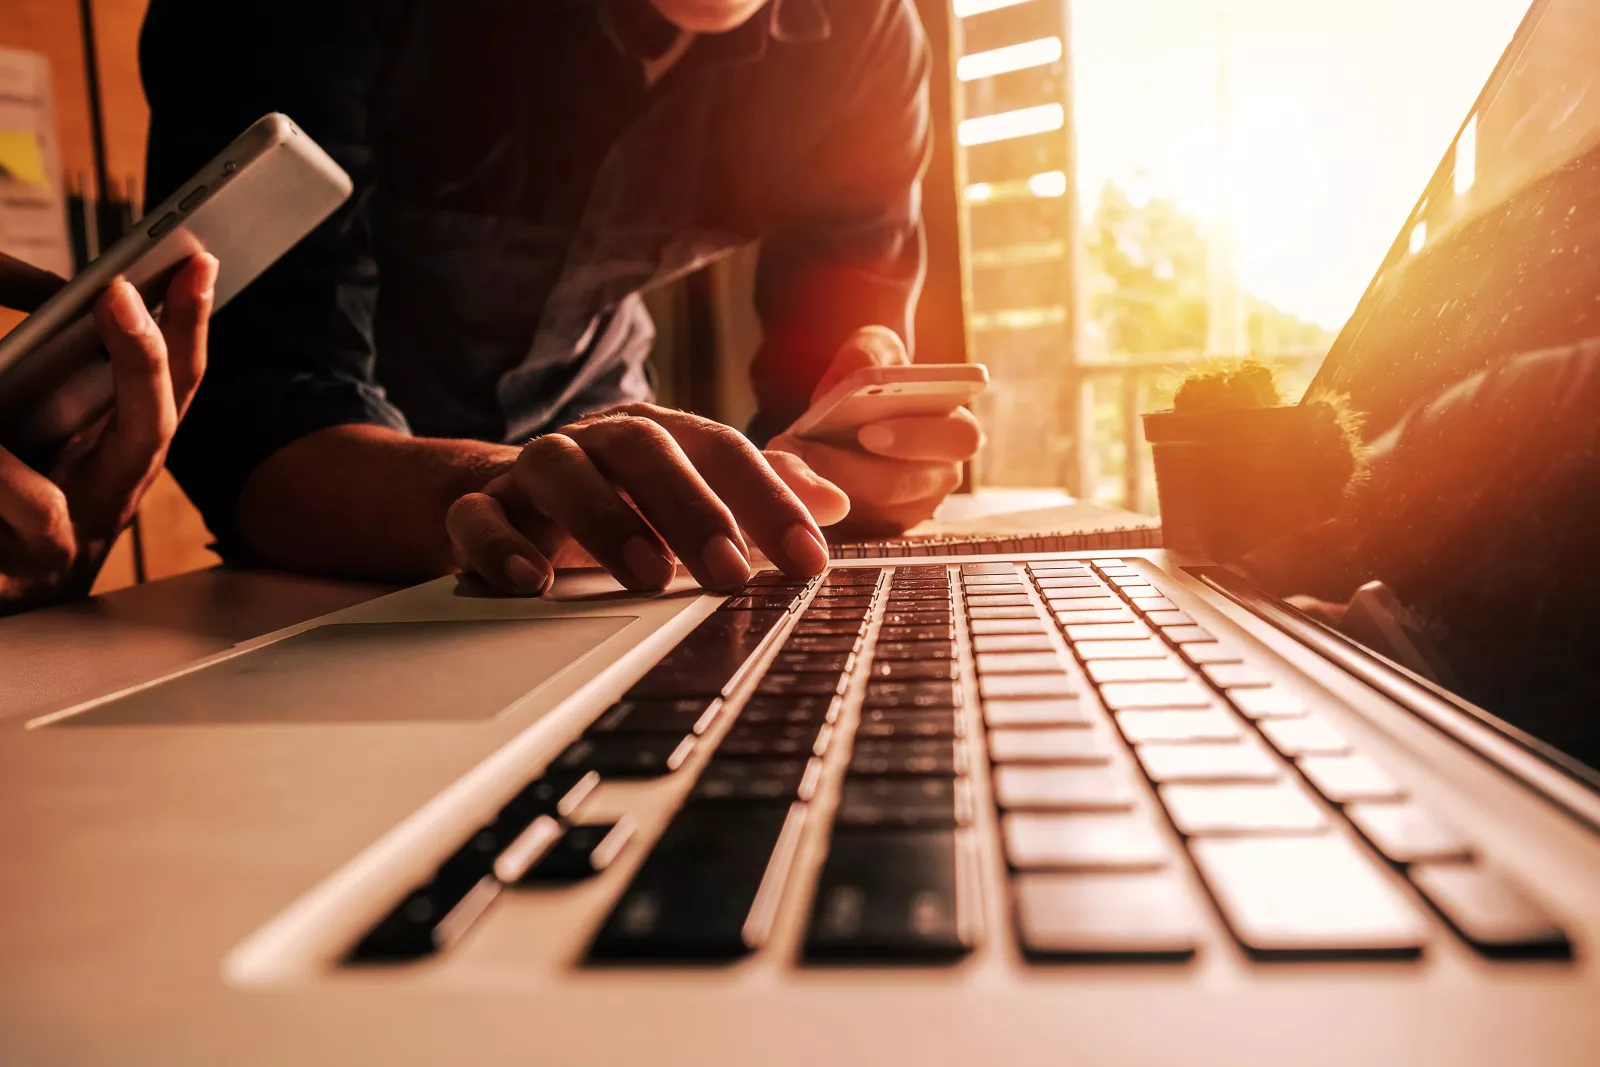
column 248, row 206
column 873, row 394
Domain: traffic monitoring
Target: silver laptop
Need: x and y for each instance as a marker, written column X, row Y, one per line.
column 1036, row 808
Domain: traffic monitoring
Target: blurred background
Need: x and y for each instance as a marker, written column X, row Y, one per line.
column 1120, row 188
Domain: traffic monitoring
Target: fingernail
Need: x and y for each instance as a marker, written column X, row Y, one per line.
column 876, row 437
column 208, row 274
column 805, row 553
column 524, row 576
column 646, row 563
column 127, row 309
column 725, row 564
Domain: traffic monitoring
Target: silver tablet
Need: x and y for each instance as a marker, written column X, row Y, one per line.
column 248, row 206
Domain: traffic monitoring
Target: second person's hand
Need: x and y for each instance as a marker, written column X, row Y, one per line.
column 639, row 488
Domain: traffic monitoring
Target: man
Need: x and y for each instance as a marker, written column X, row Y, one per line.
column 524, row 168
column 56, row 527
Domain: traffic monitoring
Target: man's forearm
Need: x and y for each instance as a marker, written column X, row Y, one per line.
column 363, row 502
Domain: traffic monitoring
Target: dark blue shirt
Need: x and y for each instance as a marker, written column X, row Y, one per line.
column 517, row 186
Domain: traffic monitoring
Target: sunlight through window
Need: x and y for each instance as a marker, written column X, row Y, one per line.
column 1466, row 170
column 1009, row 124
column 968, row 8
column 1037, row 53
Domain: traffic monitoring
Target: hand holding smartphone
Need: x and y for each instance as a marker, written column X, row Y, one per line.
column 874, row 394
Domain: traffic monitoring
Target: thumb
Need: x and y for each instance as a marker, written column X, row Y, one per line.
column 870, row 346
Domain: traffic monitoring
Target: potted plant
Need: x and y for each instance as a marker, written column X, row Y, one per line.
column 1236, row 467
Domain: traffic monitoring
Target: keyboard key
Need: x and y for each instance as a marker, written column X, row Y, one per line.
column 837, row 603
column 1268, row 703
column 892, row 896
column 1131, row 577
column 1177, row 727
column 815, row 618
column 912, row 695
column 1234, row 675
column 1161, row 613
column 708, row 657
column 1148, row 648
column 899, row 596
column 914, row 670
column 908, row 759
column 1105, row 916
column 750, row 740
column 1003, row 600
column 780, row 683
column 1073, row 605
column 1302, row 897
column 982, row 568
column 1007, row 578
column 1489, row 911
column 1070, row 582
column 760, row 710
column 1056, row 711
column 1137, row 670
column 991, row 614
column 428, row 920
column 1125, row 695
column 1140, row 592
column 762, row 579
column 1309, row 735
column 904, row 803
column 1006, row 626
column 1125, row 841
column 913, row 650
column 1180, row 635
column 1062, row 745
column 708, row 889
column 1108, row 631
column 885, row 725
column 1007, row 686
column 645, row 756
column 867, row 576
column 553, row 793
column 800, row 644
column 674, row 717
column 1018, row 662
column 582, row 852
column 1210, row 810
column 921, row 618
column 812, row 662
column 1409, row 833
column 1083, row 618
column 1024, row 788
column 1081, row 598
column 1198, row 652
column 1348, row 779
column 1207, row 763
column 755, row 780
column 808, row 628
column 993, row 643
column 765, row 601
column 937, row 632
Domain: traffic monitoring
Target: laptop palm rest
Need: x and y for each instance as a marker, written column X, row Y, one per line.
column 369, row 673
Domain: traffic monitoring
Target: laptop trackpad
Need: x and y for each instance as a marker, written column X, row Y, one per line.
column 370, row 672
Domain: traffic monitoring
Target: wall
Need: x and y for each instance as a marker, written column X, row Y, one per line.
column 174, row 537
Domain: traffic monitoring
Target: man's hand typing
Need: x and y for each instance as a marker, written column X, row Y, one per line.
column 639, row 488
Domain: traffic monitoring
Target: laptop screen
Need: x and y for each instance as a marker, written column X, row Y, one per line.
column 1474, row 359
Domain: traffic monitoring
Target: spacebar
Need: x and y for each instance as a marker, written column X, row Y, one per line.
column 708, row 889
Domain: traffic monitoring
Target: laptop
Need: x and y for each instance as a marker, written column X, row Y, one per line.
column 1034, row 807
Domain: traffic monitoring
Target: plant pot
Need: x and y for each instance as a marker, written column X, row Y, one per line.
column 1231, row 480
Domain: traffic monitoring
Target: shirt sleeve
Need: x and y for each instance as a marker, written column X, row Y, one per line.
column 293, row 352
column 850, row 251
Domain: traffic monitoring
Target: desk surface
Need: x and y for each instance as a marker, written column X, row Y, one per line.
column 60, row 656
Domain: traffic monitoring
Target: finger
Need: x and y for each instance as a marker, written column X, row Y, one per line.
column 145, row 415
column 882, row 482
column 486, row 543
column 870, row 346
column 827, row 503
column 640, row 456
column 760, row 500
column 554, row 476
column 185, row 324
column 35, row 510
column 952, row 438
column 23, row 287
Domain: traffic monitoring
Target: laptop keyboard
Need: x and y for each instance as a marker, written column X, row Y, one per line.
column 1102, row 711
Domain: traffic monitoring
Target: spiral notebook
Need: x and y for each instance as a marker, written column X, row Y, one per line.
column 1073, row 527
